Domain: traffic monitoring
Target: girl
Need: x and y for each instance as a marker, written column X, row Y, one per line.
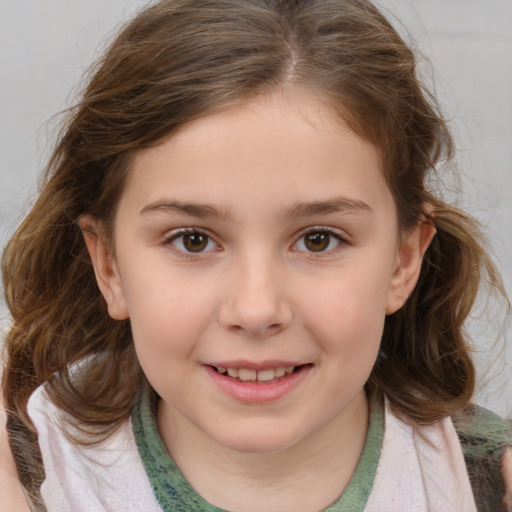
column 236, row 291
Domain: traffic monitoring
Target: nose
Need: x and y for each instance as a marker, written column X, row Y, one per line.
column 255, row 300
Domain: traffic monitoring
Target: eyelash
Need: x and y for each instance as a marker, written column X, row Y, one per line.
column 176, row 235
column 331, row 233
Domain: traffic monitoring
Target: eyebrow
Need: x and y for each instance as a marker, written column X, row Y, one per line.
column 323, row 207
column 200, row 210
column 297, row 209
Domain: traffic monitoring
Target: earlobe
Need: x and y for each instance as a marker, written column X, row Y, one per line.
column 409, row 259
column 105, row 267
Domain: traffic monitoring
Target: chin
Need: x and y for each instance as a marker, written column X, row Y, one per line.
column 259, row 447
column 258, row 442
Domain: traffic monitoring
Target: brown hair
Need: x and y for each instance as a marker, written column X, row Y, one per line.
column 179, row 60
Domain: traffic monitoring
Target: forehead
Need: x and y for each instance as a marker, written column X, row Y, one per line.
column 275, row 149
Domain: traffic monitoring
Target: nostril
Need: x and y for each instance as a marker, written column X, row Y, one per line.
column 272, row 328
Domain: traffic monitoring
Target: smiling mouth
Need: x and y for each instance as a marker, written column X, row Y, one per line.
column 266, row 375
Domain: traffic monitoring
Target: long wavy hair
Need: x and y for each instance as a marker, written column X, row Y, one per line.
column 176, row 61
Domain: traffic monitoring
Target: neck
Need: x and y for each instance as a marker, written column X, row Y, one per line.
column 250, row 482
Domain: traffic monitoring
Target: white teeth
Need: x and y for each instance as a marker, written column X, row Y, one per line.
column 247, row 374
column 266, row 375
column 280, row 371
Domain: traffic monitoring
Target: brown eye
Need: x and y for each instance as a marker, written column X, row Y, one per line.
column 195, row 242
column 192, row 242
column 317, row 242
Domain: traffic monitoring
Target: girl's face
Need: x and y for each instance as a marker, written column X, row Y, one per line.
column 256, row 255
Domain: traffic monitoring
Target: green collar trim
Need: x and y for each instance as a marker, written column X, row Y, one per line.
column 355, row 495
column 175, row 494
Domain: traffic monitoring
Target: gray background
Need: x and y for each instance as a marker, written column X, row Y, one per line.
column 46, row 46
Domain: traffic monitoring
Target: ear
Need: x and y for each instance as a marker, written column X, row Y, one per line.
column 105, row 267
column 410, row 254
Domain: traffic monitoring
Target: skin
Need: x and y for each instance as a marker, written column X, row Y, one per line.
column 506, row 473
column 12, row 496
column 257, row 295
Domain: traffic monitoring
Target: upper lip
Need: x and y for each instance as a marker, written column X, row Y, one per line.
column 252, row 365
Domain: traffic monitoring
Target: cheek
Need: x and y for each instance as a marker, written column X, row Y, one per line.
column 348, row 330
column 167, row 317
column 347, row 314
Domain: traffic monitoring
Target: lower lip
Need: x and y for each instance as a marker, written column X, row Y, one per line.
column 258, row 392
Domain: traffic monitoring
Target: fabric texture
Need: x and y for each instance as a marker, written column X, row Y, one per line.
column 402, row 468
column 421, row 469
column 108, row 476
column 484, row 437
column 174, row 493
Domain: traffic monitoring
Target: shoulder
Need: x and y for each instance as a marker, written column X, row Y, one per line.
column 486, row 441
column 12, row 496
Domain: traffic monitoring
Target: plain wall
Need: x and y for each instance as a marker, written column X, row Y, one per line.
column 46, row 45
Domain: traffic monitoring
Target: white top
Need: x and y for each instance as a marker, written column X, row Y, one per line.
column 420, row 469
